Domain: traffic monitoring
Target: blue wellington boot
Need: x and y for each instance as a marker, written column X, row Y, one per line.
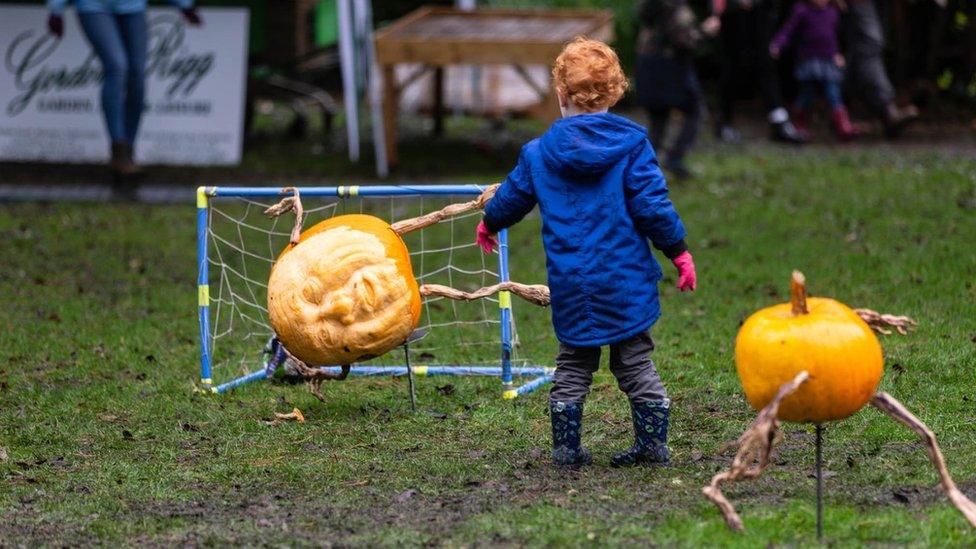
column 567, row 422
column 650, row 435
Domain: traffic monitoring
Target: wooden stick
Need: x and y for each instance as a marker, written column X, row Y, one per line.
column 426, row 220
column 889, row 405
column 291, row 203
column 755, row 446
column 533, row 293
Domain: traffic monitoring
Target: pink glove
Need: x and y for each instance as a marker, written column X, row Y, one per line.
column 485, row 238
column 687, row 279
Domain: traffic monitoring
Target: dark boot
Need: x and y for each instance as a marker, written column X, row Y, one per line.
column 125, row 173
column 843, row 127
column 895, row 119
column 122, row 162
column 786, row 132
column 567, row 423
column 650, row 435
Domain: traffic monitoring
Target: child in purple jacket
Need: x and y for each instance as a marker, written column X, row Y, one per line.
column 812, row 27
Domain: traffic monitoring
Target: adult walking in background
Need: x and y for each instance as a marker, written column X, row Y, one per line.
column 746, row 27
column 666, row 76
column 864, row 37
column 118, row 32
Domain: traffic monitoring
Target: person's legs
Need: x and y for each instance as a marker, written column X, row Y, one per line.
column 781, row 128
column 843, row 127
column 871, row 79
column 689, row 131
column 133, row 30
column 631, row 364
column 658, row 130
column 806, row 95
column 832, row 94
column 574, row 374
column 104, row 36
column 731, row 41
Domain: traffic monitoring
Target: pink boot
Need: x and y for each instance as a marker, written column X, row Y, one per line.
column 843, row 127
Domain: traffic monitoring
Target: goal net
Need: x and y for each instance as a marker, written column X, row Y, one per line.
column 238, row 244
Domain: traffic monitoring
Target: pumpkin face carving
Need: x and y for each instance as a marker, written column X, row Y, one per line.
column 822, row 336
column 344, row 293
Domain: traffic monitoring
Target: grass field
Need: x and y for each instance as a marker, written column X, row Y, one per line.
column 103, row 440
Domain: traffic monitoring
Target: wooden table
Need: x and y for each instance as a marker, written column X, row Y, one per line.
column 435, row 37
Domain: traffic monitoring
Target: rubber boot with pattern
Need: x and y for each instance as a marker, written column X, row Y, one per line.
column 567, row 425
column 650, row 435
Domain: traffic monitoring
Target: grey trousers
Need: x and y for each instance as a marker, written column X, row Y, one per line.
column 630, row 363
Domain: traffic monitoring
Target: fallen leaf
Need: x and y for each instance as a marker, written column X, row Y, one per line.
column 3, row 455
column 295, row 415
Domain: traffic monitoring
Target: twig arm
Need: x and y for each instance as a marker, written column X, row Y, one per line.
column 889, row 405
column 881, row 322
column 291, row 203
column 414, row 224
column 537, row 294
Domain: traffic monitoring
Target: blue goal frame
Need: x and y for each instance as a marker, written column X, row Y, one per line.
column 541, row 375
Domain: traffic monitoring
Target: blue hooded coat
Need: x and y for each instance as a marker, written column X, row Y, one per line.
column 601, row 195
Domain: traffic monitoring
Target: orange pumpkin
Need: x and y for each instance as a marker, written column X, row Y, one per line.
column 820, row 335
column 344, row 293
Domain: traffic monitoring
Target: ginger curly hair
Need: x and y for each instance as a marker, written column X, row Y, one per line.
column 588, row 74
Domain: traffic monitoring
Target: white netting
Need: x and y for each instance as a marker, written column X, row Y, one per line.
column 243, row 244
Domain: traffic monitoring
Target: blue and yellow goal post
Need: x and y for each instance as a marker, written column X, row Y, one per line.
column 215, row 250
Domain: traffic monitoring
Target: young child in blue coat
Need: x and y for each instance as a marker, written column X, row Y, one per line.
column 602, row 196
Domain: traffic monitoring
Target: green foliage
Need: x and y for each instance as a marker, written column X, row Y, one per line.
column 103, row 441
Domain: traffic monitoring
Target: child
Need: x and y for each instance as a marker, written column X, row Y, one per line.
column 819, row 63
column 601, row 195
column 666, row 76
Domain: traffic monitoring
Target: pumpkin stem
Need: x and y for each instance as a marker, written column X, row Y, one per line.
column 798, row 294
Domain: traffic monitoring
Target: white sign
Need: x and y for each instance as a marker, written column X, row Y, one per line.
column 195, row 89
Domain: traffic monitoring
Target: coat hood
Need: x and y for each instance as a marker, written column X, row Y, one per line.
column 589, row 144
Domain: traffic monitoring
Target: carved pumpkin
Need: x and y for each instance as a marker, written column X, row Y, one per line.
column 820, row 335
column 344, row 293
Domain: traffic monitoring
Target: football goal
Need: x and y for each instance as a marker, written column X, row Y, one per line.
column 237, row 245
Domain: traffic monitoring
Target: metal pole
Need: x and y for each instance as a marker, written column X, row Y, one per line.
column 820, row 525
column 413, row 392
column 347, row 59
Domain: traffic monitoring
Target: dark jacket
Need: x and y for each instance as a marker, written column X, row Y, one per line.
column 665, row 75
column 601, row 195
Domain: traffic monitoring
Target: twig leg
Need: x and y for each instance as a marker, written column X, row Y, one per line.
column 820, row 483
column 755, row 446
column 889, row 405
